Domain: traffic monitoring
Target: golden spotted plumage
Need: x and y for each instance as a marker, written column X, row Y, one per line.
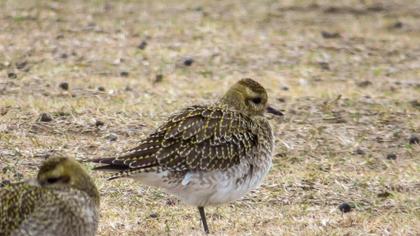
column 199, row 138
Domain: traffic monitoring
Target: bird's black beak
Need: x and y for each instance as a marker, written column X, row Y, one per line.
column 274, row 111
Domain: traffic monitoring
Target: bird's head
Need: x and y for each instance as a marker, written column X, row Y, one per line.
column 63, row 171
column 247, row 96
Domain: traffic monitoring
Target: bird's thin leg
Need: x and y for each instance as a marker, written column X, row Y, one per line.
column 203, row 219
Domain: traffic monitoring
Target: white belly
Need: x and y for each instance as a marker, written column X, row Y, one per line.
column 212, row 187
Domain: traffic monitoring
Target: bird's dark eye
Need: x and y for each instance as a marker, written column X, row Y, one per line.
column 256, row 100
column 61, row 179
column 52, row 180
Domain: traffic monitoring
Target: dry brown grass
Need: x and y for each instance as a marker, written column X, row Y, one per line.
column 332, row 144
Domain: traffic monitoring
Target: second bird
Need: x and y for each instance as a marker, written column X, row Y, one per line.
column 205, row 154
column 63, row 200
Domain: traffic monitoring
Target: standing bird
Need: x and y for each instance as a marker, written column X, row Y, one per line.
column 205, row 154
column 62, row 201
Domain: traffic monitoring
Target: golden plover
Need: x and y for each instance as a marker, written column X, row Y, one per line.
column 62, row 201
column 205, row 154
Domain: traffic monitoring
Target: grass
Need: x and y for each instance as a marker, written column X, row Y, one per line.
column 349, row 102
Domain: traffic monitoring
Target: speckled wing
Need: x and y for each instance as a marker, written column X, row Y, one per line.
column 206, row 138
column 197, row 138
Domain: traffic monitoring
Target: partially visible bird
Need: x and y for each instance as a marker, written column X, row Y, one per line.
column 63, row 200
column 205, row 154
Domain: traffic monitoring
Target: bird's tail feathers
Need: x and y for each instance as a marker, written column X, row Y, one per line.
column 131, row 172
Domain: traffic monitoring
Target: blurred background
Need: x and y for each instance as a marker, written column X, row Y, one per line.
column 90, row 78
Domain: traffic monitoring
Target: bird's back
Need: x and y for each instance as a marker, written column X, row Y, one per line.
column 199, row 138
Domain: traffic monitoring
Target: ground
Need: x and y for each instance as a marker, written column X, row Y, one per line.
column 346, row 75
